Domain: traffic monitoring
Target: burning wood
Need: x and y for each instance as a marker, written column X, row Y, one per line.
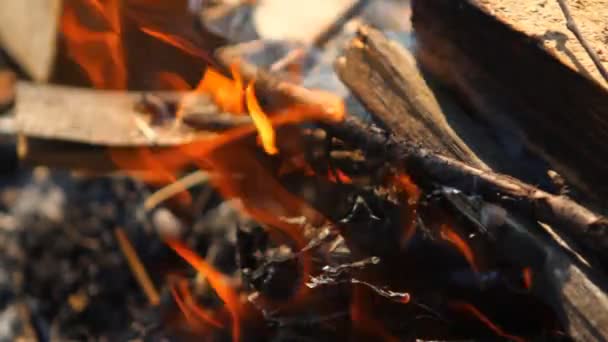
column 311, row 222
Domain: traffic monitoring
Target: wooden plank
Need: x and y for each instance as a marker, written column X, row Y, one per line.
column 28, row 32
column 518, row 87
column 95, row 117
column 545, row 21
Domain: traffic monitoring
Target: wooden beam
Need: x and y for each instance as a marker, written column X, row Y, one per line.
column 483, row 51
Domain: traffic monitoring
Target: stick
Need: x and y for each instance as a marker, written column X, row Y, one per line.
column 571, row 24
column 137, row 267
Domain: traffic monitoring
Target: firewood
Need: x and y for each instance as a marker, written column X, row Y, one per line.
column 578, row 297
column 28, row 32
column 385, row 78
column 517, row 84
column 561, row 212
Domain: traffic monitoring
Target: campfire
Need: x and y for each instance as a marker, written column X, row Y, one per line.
column 323, row 170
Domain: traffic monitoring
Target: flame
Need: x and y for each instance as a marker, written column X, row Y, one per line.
column 466, row 307
column 452, row 237
column 188, row 307
column 261, row 121
column 338, row 176
column 228, row 94
column 173, row 81
column 412, row 193
column 99, row 53
column 178, row 42
column 360, row 318
column 218, row 281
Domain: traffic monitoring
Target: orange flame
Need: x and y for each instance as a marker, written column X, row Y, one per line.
column 338, row 176
column 178, row 42
column 228, row 94
column 452, row 237
column 99, row 53
column 186, row 304
column 172, row 81
column 360, row 318
column 412, row 193
column 466, row 307
column 218, row 281
column 261, row 121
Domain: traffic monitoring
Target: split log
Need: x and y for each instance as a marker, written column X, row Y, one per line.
column 514, row 83
column 28, row 32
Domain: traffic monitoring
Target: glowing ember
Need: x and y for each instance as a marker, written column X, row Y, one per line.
column 527, row 276
column 466, row 307
column 261, row 121
column 218, row 281
column 338, row 176
column 452, row 237
column 99, row 53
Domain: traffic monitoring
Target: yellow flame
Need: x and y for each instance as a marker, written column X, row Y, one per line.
column 261, row 121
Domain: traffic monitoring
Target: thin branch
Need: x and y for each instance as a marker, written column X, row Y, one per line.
column 571, row 24
column 137, row 267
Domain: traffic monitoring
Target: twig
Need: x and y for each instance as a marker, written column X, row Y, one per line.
column 195, row 178
column 137, row 267
column 571, row 24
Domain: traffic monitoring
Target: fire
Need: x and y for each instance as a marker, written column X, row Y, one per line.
column 177, row 42
column 338, row 176
column 412, row 196
column 218, row 281
column 99, row 53
column 228, row 94
column 261, row 121
column 359, row 308
column 187, row 305
column 452, row 237
column 172, row 81
column 466, row 307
